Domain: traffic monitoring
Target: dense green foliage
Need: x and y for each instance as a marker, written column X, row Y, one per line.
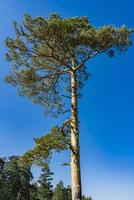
column 57, row 140
column 14, row 180
column 61, row 193
column 45, row 191
column 16, row 183
column 45, row 48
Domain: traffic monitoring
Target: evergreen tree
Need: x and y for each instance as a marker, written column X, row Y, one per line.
column 86, row 198
column 3, row 185
column 34, row 191
column 49, row 56
column 67, row 193
column 64, row 193
column 61, row 193
column 45, row 187
column 58, row 193
column 14, row 180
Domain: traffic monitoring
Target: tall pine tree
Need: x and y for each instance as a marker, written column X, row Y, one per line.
column 49, row 56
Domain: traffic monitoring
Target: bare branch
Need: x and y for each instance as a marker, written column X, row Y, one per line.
column 66, row 96
column 83, row 61
column 66, row 111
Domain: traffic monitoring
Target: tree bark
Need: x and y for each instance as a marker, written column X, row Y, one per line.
column 75, row 153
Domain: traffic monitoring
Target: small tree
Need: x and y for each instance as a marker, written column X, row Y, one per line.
column 58, row 193
column 45, row 187
column 49, row 56
column 61, row 192
column 34, row 191
column 67, row 193
column 86, row 198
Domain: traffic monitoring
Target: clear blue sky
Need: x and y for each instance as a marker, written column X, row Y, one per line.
column 106, row 109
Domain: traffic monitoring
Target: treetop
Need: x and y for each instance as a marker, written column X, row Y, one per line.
column 45, row 51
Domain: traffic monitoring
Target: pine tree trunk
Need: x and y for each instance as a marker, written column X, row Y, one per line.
column 75, row 153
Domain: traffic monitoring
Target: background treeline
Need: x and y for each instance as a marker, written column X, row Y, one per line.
column 17, row 183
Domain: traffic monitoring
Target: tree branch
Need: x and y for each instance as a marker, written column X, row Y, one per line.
column 83, row 61
column 56, row 73
column 66, row 111
column 66, row 96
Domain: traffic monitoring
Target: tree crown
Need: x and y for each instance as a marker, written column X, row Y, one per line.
column 46, row 50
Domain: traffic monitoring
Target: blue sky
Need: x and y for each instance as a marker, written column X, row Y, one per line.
column 106, row 109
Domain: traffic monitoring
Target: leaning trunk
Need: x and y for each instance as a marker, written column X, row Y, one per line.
column 75, row 153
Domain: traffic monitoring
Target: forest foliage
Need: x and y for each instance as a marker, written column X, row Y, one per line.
column 18, row 183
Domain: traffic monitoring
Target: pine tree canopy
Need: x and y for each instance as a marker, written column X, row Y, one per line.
column 46, row 50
